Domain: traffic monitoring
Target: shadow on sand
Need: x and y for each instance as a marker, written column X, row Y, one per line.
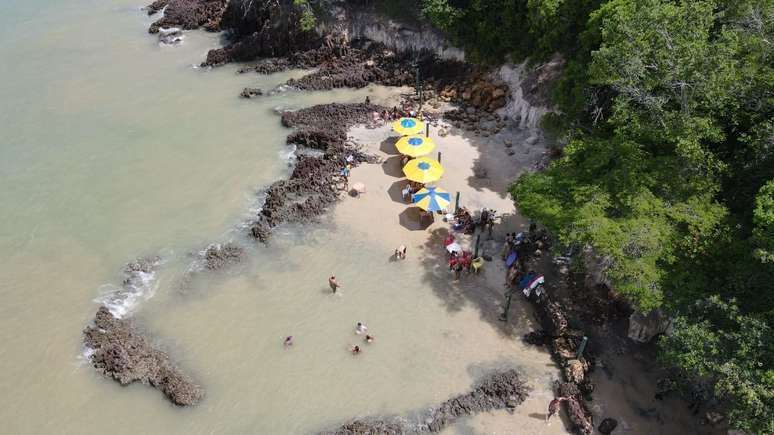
column 392, row 167
column 480, row 291
column 410, row 219
column 388, row 146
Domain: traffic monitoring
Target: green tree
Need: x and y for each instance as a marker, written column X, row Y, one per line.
column 734, row 352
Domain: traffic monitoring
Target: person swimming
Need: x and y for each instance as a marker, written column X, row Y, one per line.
column 355, row 350
column 360, row 328
column 369, row 338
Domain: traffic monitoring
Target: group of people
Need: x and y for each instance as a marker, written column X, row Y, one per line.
column 515, row 250
column 360, row 327
column 463, row 221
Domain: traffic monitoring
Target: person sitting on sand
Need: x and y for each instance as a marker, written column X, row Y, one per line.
column 289, row 341
column 355, row 350
column 333, row 283
column 369, row 338
column 360, row 328
column 406, row 192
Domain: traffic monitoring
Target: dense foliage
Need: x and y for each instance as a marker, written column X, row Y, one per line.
column 665, row 109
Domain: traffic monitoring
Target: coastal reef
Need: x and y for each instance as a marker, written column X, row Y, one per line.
column 187, row 14
column 118, row 350
column 498, row 391
column 317, row 180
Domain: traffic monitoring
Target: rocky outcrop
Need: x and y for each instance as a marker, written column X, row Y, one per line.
column 643, row 328
column 498, row 391
column 251, row 93
column 218, row 256
column 187, row 14
column 119, row 351
column 262, row 29
column 316, row 181
column 564, row 343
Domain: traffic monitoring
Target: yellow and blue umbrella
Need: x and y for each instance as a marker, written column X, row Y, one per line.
column 432, row 199
column 423, row 170
column 415, row 146
column 408, row 126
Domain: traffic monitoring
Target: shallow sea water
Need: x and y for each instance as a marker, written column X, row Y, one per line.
column 113, row 147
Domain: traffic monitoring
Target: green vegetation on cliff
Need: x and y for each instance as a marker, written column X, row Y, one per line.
column 665, row 109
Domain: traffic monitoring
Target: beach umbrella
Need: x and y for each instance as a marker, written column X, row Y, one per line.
column 423, row 170
column 408, row 126
column 454, row 247
column 415, row 146
column 432, row 199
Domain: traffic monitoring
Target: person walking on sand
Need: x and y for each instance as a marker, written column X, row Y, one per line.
column 333, row 283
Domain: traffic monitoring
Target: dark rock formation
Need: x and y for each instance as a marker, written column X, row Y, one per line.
column 251, row 92
column 316, row 182
column 564, row 343
column 188, row 14
column 218, row 256
column 121, row 352
column 262, row 29
column 498, row 391
column 607, row 426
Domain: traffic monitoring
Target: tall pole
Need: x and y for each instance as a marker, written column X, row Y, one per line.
column 582, row 347
column 457, row 203
column 439, row 157
column 478, row 238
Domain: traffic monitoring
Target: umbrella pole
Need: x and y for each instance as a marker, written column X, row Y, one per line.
column 427, row 129
column 457, row 203
column 439, row 157
column 478, row 239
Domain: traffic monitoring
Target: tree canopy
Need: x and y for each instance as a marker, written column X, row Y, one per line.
column 667, row 169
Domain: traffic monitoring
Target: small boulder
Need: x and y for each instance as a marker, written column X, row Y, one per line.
column 607, row 426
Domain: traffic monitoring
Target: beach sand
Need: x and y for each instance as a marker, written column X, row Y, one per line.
column 386, row 218
column 382, row 213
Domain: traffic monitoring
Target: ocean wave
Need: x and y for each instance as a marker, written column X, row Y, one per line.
column 140, row 284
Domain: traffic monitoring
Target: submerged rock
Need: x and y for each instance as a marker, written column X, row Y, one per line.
column 122, row 353
column 251, row 92
column 217, row 256
column 498, row 391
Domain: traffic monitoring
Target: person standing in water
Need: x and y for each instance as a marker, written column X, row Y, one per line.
column 333, row 283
